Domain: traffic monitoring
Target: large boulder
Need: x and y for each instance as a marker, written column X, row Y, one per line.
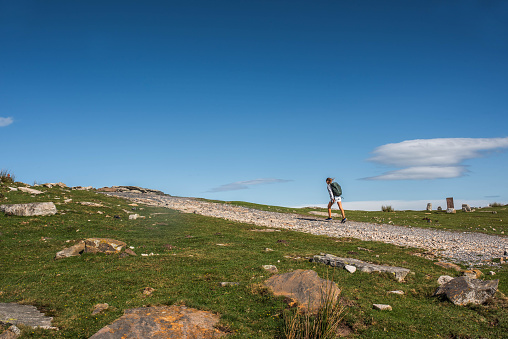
column 103, row 245
column 305, row 287
column 29, row 210
column 465, row 290
column 162, row 322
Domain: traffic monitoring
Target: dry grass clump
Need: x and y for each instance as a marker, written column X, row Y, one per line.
column 6, row 177
column 325, row 324
column 387, row 208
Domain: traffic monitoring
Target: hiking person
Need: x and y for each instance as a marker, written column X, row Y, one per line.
column 335, row 192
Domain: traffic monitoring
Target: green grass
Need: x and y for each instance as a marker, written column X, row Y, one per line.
column 67, row 289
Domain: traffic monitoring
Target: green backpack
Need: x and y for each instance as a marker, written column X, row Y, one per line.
column 336, row 189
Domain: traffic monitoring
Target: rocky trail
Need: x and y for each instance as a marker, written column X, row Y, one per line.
column 464, row 247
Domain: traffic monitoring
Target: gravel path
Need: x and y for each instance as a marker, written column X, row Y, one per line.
column 465, row 247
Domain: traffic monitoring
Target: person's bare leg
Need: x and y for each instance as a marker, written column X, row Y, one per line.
column 330, row 209
column 341, row 209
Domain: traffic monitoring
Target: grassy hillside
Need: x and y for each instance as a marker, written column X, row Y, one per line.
column 196, row 253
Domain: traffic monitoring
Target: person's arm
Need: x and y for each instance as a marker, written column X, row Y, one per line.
column 329, row 187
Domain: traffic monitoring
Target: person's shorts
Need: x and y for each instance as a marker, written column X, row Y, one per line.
column 336, row 199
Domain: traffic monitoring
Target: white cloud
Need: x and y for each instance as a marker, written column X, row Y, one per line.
column 432, row 158
column 242, row 185
column 6, row 121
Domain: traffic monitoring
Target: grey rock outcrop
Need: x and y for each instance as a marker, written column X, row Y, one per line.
column 464, row 290
column 130, row 189
column 27, row 315
column 30, row 190
column 398, row 273
column 29, row 210
column 466, row 208
column 304, row 286
column 429, row 207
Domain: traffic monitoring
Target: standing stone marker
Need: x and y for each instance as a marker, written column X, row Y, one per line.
column 449, row 203
column 429, row 207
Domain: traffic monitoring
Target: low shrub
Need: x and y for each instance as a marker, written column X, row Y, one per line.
column 387, row 208
column 496, row 204
column 6, row 177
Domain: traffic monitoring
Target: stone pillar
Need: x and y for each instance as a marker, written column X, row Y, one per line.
column 449, row 203
column 429, row 207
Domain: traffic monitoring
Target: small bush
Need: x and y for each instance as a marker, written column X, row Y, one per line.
column 323, row 325
column 496, row 204
column 387, row 208
column 6, row 177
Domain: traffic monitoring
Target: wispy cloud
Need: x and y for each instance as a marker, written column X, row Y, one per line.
column 432, row 158
column 6, row 121
column 242, row 185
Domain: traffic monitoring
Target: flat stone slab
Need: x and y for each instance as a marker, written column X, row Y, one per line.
column 399, row 273
column 28, row 210
column 27, row 315
column 160, row 322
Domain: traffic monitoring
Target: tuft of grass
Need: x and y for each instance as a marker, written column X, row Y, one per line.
column 6, row 177
column 387, row 208
column 324, row 324
column 496, row 204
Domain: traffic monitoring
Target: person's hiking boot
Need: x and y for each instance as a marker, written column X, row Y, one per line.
column 328, row 219
column 344, row 220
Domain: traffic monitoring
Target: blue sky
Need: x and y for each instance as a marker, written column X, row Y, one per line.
column 259, row 101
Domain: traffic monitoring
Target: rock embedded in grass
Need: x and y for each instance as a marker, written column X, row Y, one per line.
column 382, row 307
column 464, row 290
column 270, row 268
column 399, row 273
column 304, row 286
column 29, row 210
column 444, row 279
column 162, row 322
column 72, row 251
column 350, row 268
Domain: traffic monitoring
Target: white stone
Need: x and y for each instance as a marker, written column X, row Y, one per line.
column 270, row 268
column 396, row 292
column 382, row 307
column 350, row 268
column 30, row 190
column 133, row 216
column 444, row 279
